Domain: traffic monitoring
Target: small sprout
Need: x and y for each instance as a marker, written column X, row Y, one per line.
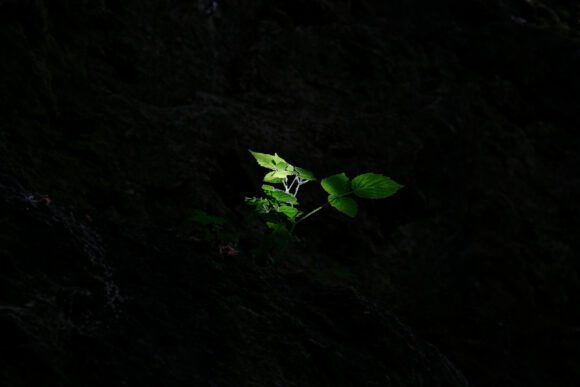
column 208, row 228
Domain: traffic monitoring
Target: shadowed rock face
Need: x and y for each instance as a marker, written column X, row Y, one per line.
column 119, row 118
column 169, row 317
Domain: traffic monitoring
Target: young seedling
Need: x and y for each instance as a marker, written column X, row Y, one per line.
column 280, row 204
column 213, row 231
column 208, row 228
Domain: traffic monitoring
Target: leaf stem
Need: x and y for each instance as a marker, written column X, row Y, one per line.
column 314, row 211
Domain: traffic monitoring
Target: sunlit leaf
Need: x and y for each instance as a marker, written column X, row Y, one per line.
column 264, row 160
column 345, row 205
column 290, row 212
column 276, row 176
column 281, row 164
column 282, row 197
column 374, row 186
column 273, row 180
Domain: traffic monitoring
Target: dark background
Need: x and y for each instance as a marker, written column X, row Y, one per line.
column 119, row 118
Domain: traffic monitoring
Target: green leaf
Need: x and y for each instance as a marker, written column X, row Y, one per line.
column 278, row 164
column 282, row 197
column 281, row 164
column 304, row 174
column 203, row 218
column 336, row 184
column 264, row 160
column 266, row 187
column 273, row 180
column 290, row 212
column 343, row 204
column 276, row 176
column 262, row 205
column 374, row 186
column 278, row 229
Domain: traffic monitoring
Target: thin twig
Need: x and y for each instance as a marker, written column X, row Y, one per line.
column 291, row 184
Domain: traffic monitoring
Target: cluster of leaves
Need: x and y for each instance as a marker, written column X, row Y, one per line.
column 279, row 205
column 367, row 186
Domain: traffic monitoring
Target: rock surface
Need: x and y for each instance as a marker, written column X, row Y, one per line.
column 120, row 118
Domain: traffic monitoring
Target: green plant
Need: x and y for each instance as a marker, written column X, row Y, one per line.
column 279, row 205
column 208, row 228
column 214, row 231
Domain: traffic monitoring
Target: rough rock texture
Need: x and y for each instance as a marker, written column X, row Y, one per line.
column 119, row 118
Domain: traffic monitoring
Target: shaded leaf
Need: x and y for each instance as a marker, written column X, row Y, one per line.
column 304, row 174
column 262, row 205
column 345, row 205
column 278, row 228
column 336, row 185
column 203, row 218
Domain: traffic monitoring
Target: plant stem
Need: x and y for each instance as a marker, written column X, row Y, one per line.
column 297, row 187
column 314, row 211
column 288, row 188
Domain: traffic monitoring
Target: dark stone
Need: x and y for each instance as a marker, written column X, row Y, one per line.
column 120, row 118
